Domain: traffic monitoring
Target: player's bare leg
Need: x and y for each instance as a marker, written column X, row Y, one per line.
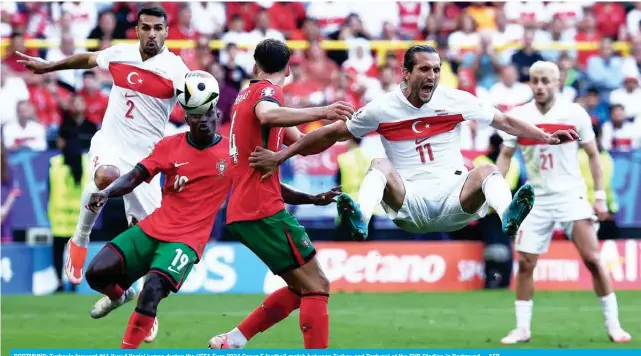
column 485, row 183
column 105, row 275
column 523, row 304
column 381, row 183
column 585, row 239
column 307, row 289
column 143, row 320
column 77, row 245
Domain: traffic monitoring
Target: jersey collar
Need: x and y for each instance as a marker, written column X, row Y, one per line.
column 192, row 144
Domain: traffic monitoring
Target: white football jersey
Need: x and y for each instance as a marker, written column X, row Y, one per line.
column 553, row 170
column 423, row 140
column 141, row 99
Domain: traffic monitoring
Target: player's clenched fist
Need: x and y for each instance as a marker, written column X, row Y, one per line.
column 340, row 110
column 562, row 136
column 34, row 64
column 96, row 201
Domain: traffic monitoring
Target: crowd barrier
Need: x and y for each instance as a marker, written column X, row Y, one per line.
column 312, row 174
column 385, row 267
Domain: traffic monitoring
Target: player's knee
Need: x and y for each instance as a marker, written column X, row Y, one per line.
column 105, row 175
column 486, row 170
column 102, row 267
column 526, row 264
column 382, row 165
column 316, row 284
column 155, row 289
column 591, row 261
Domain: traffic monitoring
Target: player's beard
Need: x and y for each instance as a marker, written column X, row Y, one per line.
column 153, row 50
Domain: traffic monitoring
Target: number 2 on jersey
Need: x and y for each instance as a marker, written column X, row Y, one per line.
column 426, row 148
column 546, row 161
column 130, row 108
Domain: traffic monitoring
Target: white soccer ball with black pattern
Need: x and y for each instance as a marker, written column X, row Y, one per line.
column 199, row 93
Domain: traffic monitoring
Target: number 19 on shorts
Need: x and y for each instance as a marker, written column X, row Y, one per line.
column 180, row 261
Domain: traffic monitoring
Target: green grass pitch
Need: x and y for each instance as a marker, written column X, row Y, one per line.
column 431, row 320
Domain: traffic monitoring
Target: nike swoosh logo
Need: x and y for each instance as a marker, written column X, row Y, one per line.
column 420, row 140
column 176, row 164
column 130, row 95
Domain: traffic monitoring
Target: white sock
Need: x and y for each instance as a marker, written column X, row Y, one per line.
column 87, row 218
column 524, row 314
column 236, row 339
column 497, row 193
column 610, row 311
column 370, row 194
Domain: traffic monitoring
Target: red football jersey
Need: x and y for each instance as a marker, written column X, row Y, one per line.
column 251, row 199
column 197, row 181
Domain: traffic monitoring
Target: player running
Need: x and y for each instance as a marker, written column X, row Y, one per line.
column 261, row 221
column 424, row 186
column 561, row 198
column 168, row 242
column 140, row 102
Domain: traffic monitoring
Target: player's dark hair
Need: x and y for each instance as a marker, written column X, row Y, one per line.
column 156, row 11
column 15, row 35
column 88, row 73
column 271, row 56
column 409, row 61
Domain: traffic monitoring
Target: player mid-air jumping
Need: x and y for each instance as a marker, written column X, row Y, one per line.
column 424, row 186
column 256, row 212
column 561, row 198
column 167, row 243
column 140, row 102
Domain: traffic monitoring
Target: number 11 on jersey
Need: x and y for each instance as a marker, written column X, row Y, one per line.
column 423, row 150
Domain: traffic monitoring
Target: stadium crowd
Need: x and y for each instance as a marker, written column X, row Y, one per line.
column 486, row 49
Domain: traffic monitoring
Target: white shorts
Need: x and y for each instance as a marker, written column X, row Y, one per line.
column 434, row 205
column 535, row 233
column 143, row 200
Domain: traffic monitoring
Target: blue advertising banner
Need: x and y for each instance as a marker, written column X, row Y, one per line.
column 313, row 173
column 27, row 269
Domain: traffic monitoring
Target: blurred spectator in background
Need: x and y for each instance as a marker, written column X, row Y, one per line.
column 263, row 29
column 386, row 82
column 94, row 99
column 608, row 228
column 526, row 56
column 449, row 66
column 374, row 18
column 565, row 82
column 183, row 29
column 228, row 93
column 301, row 92
column 610, row 19
column 26, row 132
column 63, row 25
column 484, row 61
column 587, row 31
column 498, row 246
column 413, row 19
column 352, row 167
column 508, row 93
column 633, row 19
column 70, row 78
column 235, row 72
column 465, row 40
column 106, row 28
column 530, row 14
column 559, row 32
column 605, row 70
column 629, row 96
column 10, row 192
column 76, row 131
column 309, row 31
column 208, row 18
column 286, row 16
column 48, row 98
column 12, row 90
column 318, row 66
column 360, row 63
column 245, row 10
column 236, row 32
column 484, row 14
column 11, row 59
column 505, row 34
column 341, row 88
column 620, row 134
column 598, row 109
column 84, row 16
column 331, row 15
column 351, row 29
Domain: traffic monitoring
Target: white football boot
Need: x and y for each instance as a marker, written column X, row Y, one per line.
column 104, row 305
column 517, row 336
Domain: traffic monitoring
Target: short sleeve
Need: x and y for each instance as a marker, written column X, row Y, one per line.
column 157, row 161
column 475, row 109
column 271, row 93
column 110, row 54
column 584, row 124
column 363, row 121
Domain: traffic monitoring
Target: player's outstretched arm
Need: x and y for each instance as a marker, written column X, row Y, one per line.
column 272, row 114
column 294, row 197
column 123, row 185
column 314, row 142
column 516, row 127
column 75, row 61
column 504, row 159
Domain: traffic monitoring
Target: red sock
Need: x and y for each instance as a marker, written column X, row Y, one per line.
column 137, row 329
column 113, row 291
column 276, row 307
column 314, row 321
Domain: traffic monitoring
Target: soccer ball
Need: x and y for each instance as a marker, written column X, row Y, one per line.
column 199, row 93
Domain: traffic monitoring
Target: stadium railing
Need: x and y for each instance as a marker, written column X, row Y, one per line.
column 381, row 47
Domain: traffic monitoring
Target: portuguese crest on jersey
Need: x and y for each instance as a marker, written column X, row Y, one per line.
column 221, row 166
column 268, row 92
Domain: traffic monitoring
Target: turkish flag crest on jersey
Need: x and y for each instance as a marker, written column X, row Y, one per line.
column 141, row 80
